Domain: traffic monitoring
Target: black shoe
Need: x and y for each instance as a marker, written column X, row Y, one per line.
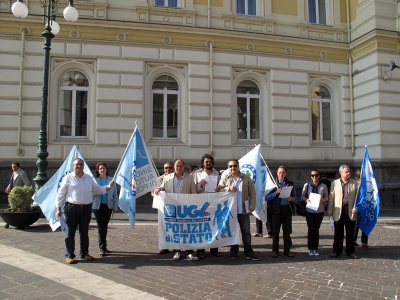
column 233, row 256
column 103, row 253
column 253, row 257
column 107, row 251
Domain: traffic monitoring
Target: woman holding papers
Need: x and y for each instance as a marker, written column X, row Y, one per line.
column 103, row 206
column 315, row 193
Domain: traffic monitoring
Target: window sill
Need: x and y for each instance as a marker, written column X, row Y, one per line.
column 69, row 140
column 326, row 144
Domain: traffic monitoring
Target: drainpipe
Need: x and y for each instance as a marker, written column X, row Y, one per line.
column 209, row 14
column 210, row 94
column 24, row 31
column 352, row 129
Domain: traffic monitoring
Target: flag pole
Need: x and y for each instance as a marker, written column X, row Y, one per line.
column 272, row 178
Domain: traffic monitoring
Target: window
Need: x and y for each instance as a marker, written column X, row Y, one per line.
column 248, row 111
column 246, row 7
column 167, row 3
column 318, row 11
column 72, row 118
column 321, row 120
column 165, row 95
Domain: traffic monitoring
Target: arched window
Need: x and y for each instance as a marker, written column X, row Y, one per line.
column 165, row 95
column 318, row 11
column 321, row 119
column 248, row 111
column 72, row 120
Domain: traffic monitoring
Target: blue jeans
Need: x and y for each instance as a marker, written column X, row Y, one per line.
column 244, row 223
column 77, row 215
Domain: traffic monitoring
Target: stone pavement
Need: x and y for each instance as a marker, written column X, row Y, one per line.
column 32, row 267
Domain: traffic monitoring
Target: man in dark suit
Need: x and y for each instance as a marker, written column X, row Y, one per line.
column 282, row 211
column 18, row 177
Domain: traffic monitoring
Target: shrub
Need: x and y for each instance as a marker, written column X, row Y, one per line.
column 20, row 199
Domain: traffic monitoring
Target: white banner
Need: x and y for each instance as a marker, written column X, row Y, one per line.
column 196, row 221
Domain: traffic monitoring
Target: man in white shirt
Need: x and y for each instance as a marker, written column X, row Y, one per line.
column 206, row 180
column 75, row 197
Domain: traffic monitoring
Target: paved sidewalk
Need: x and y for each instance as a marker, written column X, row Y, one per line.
column 32, row 267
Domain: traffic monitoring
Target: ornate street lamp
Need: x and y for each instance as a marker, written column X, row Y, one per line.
column 20, row 10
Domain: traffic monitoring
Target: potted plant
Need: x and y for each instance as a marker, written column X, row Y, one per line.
column 20, row 212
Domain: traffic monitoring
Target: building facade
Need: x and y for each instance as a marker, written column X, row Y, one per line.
column 308, row 79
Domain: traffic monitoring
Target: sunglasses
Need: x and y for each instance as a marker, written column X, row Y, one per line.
column 232, row 166
column 314, row 175
column 167, row 168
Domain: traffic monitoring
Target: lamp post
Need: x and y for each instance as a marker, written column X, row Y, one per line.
column 20, row 10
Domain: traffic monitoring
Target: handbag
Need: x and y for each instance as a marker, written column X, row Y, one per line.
column 301, row 208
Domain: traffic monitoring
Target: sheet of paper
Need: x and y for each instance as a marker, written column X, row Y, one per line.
column 247, row 206
column 285, row 192
column 211, row 185
column 315, row 199
column 158, row 200
column 331, row 226
column 62, row 222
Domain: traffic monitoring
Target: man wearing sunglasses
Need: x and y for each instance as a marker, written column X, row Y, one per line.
column 245, row 195
column 168, row 167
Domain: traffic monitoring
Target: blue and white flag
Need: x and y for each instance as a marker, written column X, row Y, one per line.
column 196, row 221
column 268, row 183
column 46, row 196
column 135, row 174
column 250, row 164
column 368, row 200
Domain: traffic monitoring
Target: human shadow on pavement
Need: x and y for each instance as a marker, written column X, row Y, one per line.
column 37, row 228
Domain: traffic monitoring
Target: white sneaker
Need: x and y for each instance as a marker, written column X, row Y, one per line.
column 311, row 253
column 316, row 252
column 191, row 257
column 177, row 256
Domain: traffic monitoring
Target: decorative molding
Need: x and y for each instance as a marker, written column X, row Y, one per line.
column 166, row 15
column 74, row 34
column 92, row 10
column 288, row 51
column 121, row 37
column 167, row 40
column 151, row 66
column 250, row 47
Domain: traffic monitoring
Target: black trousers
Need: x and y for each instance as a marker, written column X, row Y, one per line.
column 344, row 223
column 103, row 215
column 364, row 237
column 268, row 224
column 284, row 219
column 314, row 221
